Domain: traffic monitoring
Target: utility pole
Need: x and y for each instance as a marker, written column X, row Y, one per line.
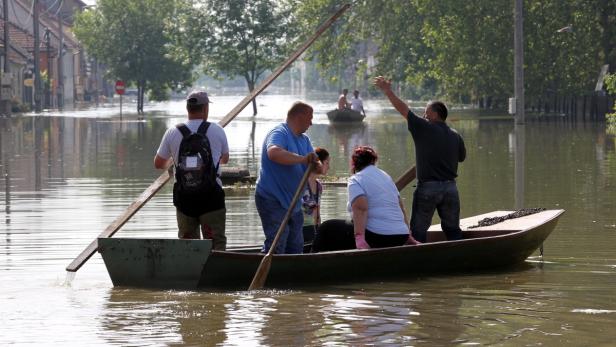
column 6, row 104
column 48, row 101
column 520, row 131
column 37, row 68
column 60, row 64
column 518, row 61
column 5, row 10
column 95, row 68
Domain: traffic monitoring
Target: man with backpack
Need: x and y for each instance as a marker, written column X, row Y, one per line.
column 197, row 148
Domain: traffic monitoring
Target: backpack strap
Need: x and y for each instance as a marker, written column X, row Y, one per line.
column 203, row 127
column 183, row 129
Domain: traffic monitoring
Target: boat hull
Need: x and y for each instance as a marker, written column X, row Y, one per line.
column 504, row 245
column 346, row 115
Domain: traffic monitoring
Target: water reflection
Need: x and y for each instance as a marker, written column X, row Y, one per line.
column 374, row 315
column 6, row 170
column 519, row 147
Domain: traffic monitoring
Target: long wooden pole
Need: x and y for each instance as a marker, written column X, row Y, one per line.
column 406, row 178
column 263, row 270
column 164, row 178
column 280, row 69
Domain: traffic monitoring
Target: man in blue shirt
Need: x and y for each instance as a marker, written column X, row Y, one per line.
column 285, row 156
column 438, row 149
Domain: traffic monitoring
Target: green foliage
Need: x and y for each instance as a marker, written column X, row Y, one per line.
column 464, row 49
column 244, row 38
column 140, row 41
column 610, row 85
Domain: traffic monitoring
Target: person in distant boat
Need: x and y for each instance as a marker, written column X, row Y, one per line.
column 285, row 155
column 343, row 103
column 438, row 150
column 311, row 200
column 378, row 218
column 199, row 198
column 357, row 104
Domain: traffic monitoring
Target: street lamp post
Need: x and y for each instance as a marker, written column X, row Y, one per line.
column 48, row 102
column 60, row 64
column 37, row 70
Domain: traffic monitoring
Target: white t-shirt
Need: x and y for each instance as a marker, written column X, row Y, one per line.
column 357, row 104
column 384, row 214
column 170, row 144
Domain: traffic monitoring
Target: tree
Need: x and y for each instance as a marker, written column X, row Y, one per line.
column 245, row 38
column 142, row 42
column 463, row 50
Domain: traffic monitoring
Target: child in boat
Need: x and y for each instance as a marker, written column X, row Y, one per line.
column 311, row 200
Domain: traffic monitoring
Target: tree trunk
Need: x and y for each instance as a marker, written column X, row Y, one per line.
column 140, row 96
column 251, row 87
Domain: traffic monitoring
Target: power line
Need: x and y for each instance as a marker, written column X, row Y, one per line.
column 21, row 24
column 50, row 7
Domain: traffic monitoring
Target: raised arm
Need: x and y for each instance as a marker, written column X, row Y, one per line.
column 398, row 104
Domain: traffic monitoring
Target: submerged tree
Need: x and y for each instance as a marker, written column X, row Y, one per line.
column 143, row 42
column 245, row 38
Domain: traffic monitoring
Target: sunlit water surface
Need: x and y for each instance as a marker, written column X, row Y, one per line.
column 66, row 176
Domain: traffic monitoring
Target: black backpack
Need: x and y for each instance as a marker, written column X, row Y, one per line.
column 195, row 190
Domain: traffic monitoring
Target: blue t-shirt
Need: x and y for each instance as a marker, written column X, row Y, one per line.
column 278, row 181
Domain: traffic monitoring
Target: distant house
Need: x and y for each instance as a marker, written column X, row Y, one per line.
column 19, row 58
column 61, row 57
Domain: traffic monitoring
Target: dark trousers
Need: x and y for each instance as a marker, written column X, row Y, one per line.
column 272, row 213
column 441, row 196
column 338, row 234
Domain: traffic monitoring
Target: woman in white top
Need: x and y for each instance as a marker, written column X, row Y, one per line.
column 377, row 213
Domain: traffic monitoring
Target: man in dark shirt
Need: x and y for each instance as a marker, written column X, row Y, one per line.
column 438, row 149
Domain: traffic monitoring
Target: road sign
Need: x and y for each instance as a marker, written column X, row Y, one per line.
column 119, row 87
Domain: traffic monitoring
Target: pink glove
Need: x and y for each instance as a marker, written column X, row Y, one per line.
column 360, row 242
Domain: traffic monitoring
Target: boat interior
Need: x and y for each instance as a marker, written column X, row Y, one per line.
column 469, row 227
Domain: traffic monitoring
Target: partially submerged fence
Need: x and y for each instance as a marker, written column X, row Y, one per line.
column 586, row 108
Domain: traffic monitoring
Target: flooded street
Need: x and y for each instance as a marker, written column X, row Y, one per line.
column 67, row 176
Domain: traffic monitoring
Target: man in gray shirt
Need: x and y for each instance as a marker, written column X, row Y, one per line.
column 197, row 210
column 438, row 149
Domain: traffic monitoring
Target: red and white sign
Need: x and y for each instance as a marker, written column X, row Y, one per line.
column 119, row 87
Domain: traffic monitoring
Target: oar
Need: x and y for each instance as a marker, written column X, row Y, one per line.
column 403, row 181
column 406, row 178
column 164, row 178
column 263, row 270
column 121, row 220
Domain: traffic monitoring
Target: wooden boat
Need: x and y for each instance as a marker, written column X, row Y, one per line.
column 180, row 264
column 346, row 115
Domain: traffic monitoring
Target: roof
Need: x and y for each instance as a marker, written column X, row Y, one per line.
column 48, row 19
column 21, row 39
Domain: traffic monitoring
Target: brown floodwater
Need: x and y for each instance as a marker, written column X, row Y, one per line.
column 66, row 176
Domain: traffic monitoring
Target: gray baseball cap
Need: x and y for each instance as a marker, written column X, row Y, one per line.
column 197, row 97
